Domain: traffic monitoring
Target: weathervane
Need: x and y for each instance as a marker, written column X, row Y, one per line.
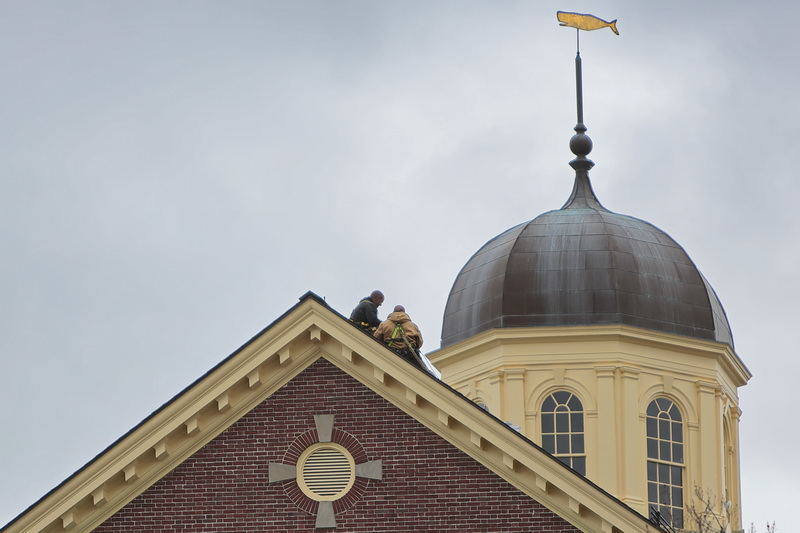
column 581, row 144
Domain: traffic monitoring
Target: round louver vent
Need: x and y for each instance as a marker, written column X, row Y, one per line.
column 326, row 471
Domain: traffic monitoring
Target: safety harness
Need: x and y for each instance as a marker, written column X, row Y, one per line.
column 398, row 328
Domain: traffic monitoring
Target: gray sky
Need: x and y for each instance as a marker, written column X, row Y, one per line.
column 174, row 175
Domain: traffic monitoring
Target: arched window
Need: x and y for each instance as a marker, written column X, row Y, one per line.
column 562, row 429
column 727, row 462
column 665, row 460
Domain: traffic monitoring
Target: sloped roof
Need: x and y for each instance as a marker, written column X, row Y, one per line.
column 305, row 333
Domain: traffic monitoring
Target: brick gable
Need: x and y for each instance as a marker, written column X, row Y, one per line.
column 428, row 484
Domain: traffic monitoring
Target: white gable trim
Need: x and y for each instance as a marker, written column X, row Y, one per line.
column 261, row 367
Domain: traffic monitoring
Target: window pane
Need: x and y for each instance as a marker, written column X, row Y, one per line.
column 652, row 448
column 577, row 422
column 562, row 443
column 577, row 443
column 651, row 471
column 547, row 423
column 561, row 396
column 652, row 427
column 579, row 465
column 548, row 405
column 549, row 443
column 652, row 492
column 575, row 404
column 663, row 473
column 663, row 429
column 677, row 453
column 677, row 432
column 677, row 476
column 677, row 519
column 677, row 497
column 652, row 409
column 664, row 451
column 562, row 422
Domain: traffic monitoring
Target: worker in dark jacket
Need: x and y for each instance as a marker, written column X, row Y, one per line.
column 365, row 314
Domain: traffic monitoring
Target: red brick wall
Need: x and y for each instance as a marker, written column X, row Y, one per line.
column 428, row 484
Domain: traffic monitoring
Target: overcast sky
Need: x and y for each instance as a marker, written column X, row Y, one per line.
column 174, row 175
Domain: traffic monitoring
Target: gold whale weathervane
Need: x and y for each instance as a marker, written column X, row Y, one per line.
column 585, row 22
column 580, row 143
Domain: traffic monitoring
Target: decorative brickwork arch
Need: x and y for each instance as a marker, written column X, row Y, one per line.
column 292, row 471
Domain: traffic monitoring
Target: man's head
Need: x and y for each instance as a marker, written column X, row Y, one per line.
column 376, row 297
column 399, row 309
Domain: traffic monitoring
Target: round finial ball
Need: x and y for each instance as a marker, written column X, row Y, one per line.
column 580, row 144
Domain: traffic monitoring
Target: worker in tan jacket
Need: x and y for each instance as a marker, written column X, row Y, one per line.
column 398, row 331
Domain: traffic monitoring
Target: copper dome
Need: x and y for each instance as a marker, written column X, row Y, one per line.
column 583, row 265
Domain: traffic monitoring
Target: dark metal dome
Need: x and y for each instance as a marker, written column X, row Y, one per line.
column 583, row 265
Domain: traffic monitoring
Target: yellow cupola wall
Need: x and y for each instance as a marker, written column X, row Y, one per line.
column 597, row 337
column 616, row 372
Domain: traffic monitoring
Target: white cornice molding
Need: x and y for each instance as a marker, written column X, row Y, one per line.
column 492, row 344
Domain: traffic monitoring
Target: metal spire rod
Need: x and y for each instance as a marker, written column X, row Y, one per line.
column 579, row 86
column 579, row 77
column 580, row 144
